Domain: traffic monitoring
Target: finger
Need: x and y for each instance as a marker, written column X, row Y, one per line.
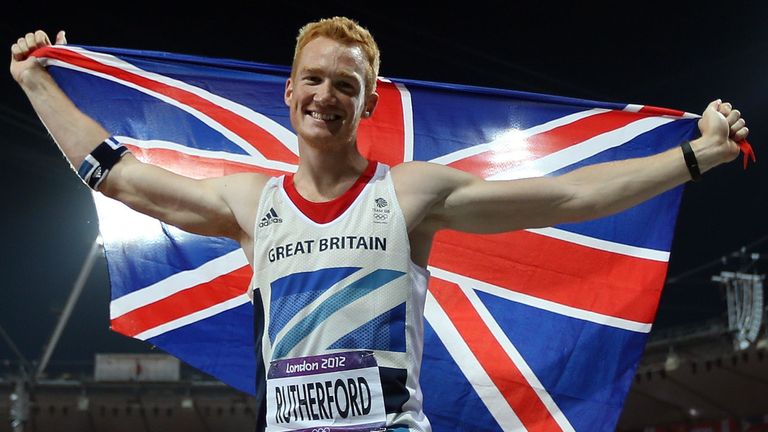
column 16, row 52
column 61, row 38
column 22, row 43
column 41, row 39
column 733, row 117
column 740, row 123
column 31, row 43
column 725, row 108
column 714, row 104
column 741, row 134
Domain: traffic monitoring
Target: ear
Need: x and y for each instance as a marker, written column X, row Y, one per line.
column 288, row 91
column 370, row 104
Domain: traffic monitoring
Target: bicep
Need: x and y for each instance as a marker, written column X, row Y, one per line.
column 198, row 206
column 482, row 206
column 435, row 197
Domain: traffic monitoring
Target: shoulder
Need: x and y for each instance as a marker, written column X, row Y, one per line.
column 422, row 189
column 415, row 171
column 427, row 177
column 241, row 191
column 412, row 166
column 241, row 183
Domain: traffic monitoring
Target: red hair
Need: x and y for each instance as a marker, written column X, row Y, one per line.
column 346, row 31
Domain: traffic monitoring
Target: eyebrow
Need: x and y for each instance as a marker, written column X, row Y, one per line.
column 344, row 74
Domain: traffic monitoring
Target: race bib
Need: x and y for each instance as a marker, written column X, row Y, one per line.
column 324, row 393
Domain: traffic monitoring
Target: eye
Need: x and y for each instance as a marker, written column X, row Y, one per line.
column 312, row 79
column 347, row 86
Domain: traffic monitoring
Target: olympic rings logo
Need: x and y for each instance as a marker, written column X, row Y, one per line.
column 321, row 429
column 379, row 216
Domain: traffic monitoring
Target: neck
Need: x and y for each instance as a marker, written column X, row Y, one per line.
column 325, row 174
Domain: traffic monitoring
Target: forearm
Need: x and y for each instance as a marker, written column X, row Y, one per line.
column 75, row 133
column 608, row 188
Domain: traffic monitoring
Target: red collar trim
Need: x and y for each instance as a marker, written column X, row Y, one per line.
column 324, row 212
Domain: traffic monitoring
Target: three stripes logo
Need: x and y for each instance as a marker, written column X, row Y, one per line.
column 270, row 218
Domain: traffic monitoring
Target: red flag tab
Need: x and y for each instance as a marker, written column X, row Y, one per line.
column 749, row 153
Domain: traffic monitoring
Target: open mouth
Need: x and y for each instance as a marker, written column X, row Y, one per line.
column 323, row 117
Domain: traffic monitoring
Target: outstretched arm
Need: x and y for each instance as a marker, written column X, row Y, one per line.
column 436, row 197
column 222, row 206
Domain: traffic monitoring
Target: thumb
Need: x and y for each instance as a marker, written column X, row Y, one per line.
column 710, row 114
column 61, row 38
column 714, row 105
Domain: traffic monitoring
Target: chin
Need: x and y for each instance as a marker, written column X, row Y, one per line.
column 326, row 142
column 325, row 145
column 325, row 139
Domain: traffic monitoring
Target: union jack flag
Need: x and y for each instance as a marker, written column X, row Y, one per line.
column 537, row 330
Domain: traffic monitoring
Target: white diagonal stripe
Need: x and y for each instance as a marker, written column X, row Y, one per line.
column 539, row 303
column 405, row 99
column 210, row 154
column 517, row 359
column 638, row 108
column 275, row 129
column 194, row 317
column 178, row 282
column 583, row 150
column 471, row 368
column 510, row 139
column 605, row 245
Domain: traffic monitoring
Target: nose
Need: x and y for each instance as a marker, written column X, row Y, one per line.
column 325, row 93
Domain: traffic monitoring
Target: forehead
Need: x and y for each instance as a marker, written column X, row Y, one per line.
column 327, row 54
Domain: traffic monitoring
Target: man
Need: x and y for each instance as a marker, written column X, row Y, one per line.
column 339, row 248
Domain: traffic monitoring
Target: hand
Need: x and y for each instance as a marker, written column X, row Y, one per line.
column 721, row 128
column 21, row 60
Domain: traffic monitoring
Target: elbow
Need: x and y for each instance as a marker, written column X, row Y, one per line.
column 110, row 188
column 581, row 203
column 593, row 205
column 115, row 184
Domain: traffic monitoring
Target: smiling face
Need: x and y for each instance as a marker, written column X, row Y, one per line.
column 326, row 93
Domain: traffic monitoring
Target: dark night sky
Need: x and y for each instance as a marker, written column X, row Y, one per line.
column 679, row 56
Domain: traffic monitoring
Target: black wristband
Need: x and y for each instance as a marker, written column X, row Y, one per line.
column 100, row 161
column 690, row 161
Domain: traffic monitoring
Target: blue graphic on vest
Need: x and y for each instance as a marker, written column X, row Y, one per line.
column 292, row 293
column 345, row 295
column 386, row 332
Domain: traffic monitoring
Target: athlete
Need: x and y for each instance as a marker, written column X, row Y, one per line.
column 339, row 248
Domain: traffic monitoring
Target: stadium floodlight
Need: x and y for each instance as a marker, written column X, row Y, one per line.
column 672, row 361
column 745, row 303
column 83, row 402
column 187, row 402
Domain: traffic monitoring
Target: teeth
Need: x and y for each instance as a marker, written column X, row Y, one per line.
column 324, row 117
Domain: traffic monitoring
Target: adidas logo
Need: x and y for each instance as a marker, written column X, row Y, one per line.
column 270, row 218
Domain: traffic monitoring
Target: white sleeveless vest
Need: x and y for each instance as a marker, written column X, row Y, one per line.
column 342, row 330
